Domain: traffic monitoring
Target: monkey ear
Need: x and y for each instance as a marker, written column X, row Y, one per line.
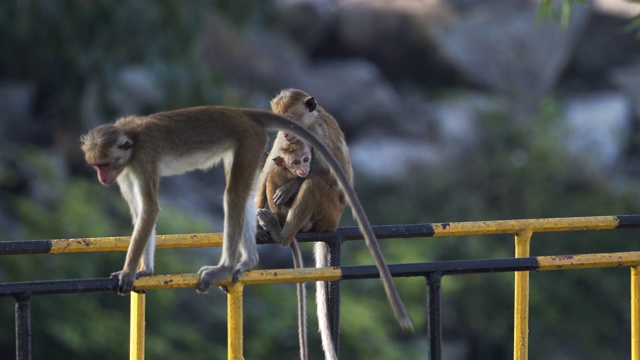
column 310, row 103
column 126, row 145
column 279, row 161
column 83, row 139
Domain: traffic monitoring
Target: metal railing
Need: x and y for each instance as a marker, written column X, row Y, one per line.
column 433, row 272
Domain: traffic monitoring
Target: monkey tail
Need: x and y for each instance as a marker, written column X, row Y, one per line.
column 301, row 290
column 276, row 122
column 321, row 254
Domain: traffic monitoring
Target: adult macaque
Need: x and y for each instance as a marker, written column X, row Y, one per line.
column 136, row 151
column 320, row 201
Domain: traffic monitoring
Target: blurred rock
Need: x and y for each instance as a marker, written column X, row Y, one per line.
column 383, row 156
column 505, row 49
column 399, row 37
column 603, row 44
column 251, row 58
column 310, row 23
column 353, row 91
column 599, row 125
column 16, row 118
column 136, row 88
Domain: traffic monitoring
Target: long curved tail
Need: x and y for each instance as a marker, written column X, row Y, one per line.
column 321, row 254
column 301, row 290
column 276, row 122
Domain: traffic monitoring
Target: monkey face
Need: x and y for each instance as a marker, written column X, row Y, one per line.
column 300, row 166
column 107, row 151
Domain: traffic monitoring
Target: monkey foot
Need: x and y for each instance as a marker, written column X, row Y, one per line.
column 263, row 236
column 269, row 222
column 209, row 275
column 126, row 280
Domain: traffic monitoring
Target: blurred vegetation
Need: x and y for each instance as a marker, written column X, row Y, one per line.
column 517, row 170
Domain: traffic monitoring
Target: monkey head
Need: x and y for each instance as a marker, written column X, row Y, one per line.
column 296, row 157
column 296, row 105
column 107, row 149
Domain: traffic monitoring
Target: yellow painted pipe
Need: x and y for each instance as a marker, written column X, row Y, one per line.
column 234, row 321
column 635, row 312
column 566, row 262
column 515, row 226
column 521, row 299
column 121, row 243
column 137, row 326
column 253, row 277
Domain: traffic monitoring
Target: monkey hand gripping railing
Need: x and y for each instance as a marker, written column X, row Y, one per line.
column 432, row 272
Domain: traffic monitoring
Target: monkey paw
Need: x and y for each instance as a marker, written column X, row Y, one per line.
column 209, row 275
column 125, row 282
column 269, row 222
column 263, row 236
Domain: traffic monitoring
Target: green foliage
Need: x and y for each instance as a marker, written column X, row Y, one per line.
column 67, row 45
column 519, row 169
column 558, row 10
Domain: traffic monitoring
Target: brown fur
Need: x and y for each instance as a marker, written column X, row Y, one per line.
column 320, row 201
column 169, row 143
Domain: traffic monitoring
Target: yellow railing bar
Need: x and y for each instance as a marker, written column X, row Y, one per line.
column 521, row 299
column 136, row 335
column 535, row 225
column 591, row 261
column 253, row 277
column 635, row 312
column 234, row 300
column 523, row 230
column 234, row 321
column 121, row 243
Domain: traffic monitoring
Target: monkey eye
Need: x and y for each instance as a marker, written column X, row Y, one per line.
column 296, row 162
column 306, row 159
column 125, row 146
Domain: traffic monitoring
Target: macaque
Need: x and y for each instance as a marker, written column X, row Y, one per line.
column 283, row 182
column 136, row 151
column 320, row 200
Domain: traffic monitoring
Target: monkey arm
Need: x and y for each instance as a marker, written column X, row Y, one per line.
column 285, row 193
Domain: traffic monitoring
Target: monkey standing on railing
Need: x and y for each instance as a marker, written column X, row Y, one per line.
column 136, row 151
column 320, row 201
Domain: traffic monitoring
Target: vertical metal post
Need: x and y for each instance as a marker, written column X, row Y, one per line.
column 234, row 320
column 137, row 326
column 521, row 299
column 635, row 312
column 23, row 326
column 434, row 323
column 333, row 293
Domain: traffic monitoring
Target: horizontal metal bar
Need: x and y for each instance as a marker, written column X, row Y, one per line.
column 457, row 267
column 255, row 277
column 58, row 287
column 25, row 247
column 569, row 262
column 120, row 243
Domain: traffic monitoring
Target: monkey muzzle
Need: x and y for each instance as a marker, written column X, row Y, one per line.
column 107, row 173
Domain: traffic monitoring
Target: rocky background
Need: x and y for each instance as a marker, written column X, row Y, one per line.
column 454, row 111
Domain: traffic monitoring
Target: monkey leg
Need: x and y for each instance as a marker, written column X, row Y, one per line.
column 239, row 231
column 270, row 224
column 317, row 207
